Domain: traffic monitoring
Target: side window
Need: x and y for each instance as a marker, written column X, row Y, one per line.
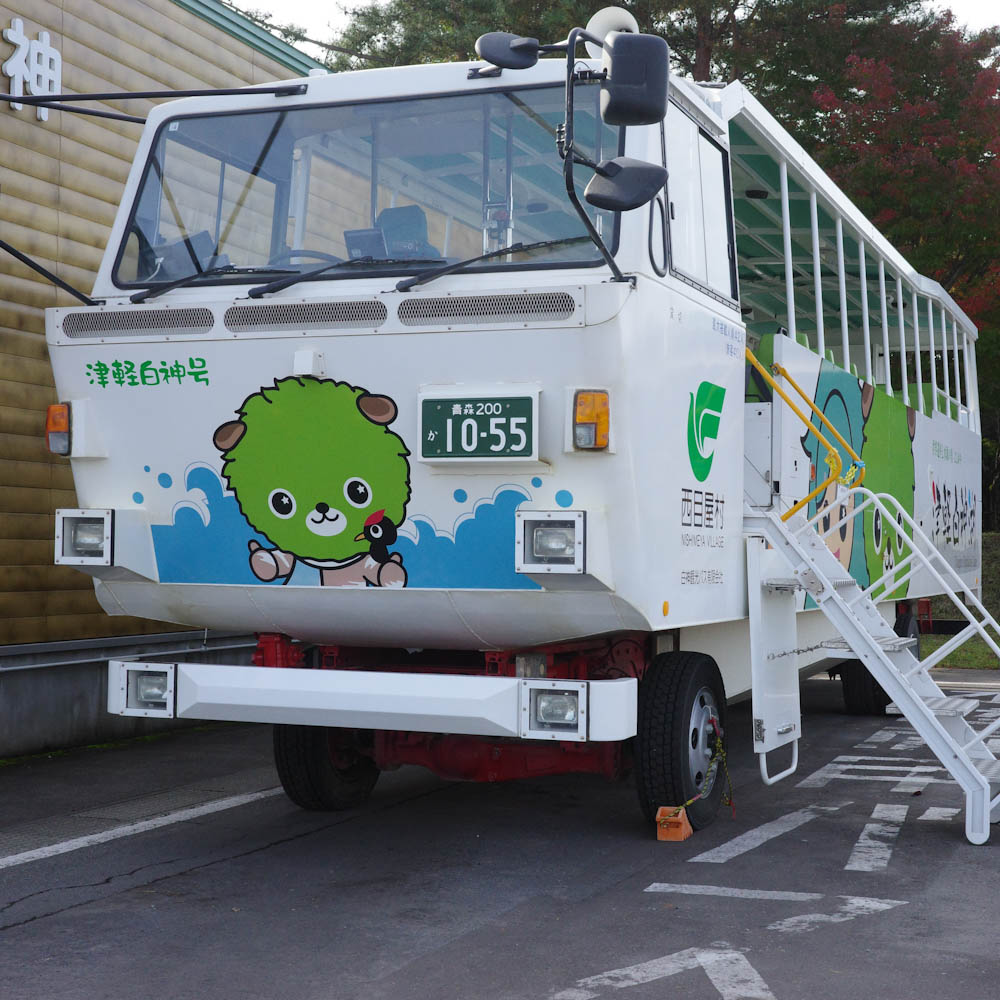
column 698, row 186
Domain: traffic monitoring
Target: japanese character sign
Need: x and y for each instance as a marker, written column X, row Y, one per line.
column 34, row 68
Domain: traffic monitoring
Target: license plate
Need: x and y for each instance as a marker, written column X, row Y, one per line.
column 483, row 427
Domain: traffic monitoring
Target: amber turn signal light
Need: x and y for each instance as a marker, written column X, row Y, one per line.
column 591, row 419
column 57, row 428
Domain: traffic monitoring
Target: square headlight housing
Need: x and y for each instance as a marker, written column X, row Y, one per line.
column 141, row 689
column 550, row 541
column 554, row 710
column 83, row 537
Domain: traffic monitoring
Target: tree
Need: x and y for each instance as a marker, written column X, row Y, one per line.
column 401, row 32
column 914, row 137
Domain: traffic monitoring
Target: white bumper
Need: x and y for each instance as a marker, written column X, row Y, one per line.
column 362, row 699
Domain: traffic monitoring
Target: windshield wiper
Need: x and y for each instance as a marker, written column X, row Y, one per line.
column 153, row 291
column 420, row 279
column 294, row 279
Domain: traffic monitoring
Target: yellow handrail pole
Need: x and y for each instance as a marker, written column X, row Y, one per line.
column 783, row 372
column 833, row 455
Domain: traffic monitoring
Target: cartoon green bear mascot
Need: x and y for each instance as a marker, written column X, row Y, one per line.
column 316, row 470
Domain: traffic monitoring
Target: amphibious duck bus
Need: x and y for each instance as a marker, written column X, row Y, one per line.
column 486, row 395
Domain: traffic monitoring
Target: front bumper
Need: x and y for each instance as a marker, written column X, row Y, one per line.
column 362, row 699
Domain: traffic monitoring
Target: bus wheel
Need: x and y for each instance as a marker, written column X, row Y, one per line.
column 681, row 700
column 322, row 769
column 863, row 695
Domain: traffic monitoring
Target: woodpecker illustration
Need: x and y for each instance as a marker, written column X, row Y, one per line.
column 380, row 533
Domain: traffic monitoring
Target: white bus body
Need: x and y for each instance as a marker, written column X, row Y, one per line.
column 532, row 576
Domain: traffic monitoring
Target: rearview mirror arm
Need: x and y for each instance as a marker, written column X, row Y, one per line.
column 564, row 142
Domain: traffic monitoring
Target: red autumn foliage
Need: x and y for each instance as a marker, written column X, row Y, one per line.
column 914, row 137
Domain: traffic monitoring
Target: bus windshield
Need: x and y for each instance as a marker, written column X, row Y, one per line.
column 394, row 186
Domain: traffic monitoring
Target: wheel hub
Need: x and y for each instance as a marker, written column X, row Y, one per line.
column 701, row 740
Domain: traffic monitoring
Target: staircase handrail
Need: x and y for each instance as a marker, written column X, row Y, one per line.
column 949, row 581
column 859, row 466
column 833, row 458
column 885, row 501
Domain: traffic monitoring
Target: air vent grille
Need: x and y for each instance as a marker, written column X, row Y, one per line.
column 137, row 322
column 277, row 316
column 524, row 307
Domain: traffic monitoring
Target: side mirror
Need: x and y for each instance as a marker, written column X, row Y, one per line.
column 637, row 68
column 622, row 184
column 509, row 51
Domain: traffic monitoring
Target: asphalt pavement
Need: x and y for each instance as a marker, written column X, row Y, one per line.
column 175, row 868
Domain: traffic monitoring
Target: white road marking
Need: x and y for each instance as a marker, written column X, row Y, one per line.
column 723, row 890
column 884, row 735
column 729, row 971
column 130, row 829
column 873, row 850
column 939, row 813
column 910, row 777
column 906, row 741
column 852, row 907
column 762, row 834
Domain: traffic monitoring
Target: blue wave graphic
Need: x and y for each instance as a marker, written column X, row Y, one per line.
column 480, row 556
column 192, row 551
column 212, row 547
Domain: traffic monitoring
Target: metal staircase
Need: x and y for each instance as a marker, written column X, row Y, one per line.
column 940, row 720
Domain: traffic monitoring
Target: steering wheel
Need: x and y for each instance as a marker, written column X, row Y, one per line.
column 286, row 256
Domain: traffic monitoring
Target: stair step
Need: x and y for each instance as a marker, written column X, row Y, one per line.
column 953, row 706
column 989, row 769
column 890, row 643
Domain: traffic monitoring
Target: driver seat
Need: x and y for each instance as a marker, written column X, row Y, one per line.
column 405, row 232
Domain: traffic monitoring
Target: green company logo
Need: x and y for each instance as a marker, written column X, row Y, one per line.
column 704, row 415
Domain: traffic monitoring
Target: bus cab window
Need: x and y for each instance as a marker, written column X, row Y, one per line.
column 700, row 237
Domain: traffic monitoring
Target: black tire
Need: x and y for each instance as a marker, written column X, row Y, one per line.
column 863, row 695
column 322, row 769
column 674, row 740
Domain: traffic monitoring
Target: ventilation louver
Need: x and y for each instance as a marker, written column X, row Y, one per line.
column 524, row 307
column 283, row 316
column 137, row 322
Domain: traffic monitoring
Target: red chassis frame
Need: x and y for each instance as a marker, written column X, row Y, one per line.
column 479, row 758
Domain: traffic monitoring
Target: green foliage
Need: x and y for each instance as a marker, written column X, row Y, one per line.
column 912, row 135
column 401, row 32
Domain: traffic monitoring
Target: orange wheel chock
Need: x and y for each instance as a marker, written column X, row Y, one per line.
column 672, row 823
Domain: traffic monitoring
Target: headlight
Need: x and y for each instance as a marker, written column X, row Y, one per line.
column 550, row 541
column 151, row 689
column 554, row 541
column 559, row 710
column 553, row 710
column 83, row 537
column 88, row 537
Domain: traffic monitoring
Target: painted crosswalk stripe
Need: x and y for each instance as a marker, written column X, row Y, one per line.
column 762, row 834
column 873, row 850
column 939, row 813
column 907, row 774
